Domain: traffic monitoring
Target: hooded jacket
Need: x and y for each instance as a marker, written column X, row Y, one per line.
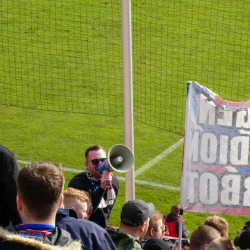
column 92, row 235
column 58, row 240
column 173, row 223
column 9, row 169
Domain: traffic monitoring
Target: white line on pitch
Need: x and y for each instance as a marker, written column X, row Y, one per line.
column 139, row 171
column 152, row 184
column 159, row 157
column 65, row 169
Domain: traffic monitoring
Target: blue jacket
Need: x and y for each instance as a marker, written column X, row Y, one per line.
column 92, row 236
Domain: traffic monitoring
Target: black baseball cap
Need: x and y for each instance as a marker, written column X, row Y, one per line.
column 244, row 239
column 137, row 211
column 156, row 244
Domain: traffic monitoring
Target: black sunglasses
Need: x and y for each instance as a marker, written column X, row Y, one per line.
column 97, row 161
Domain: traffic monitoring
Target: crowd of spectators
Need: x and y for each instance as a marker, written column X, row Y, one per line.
column 36, row 212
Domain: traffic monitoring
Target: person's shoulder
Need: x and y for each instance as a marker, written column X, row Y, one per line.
column 78, row 180
column 129, row 242
column 80, row 176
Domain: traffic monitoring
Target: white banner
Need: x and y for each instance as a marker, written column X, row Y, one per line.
column 216, row 168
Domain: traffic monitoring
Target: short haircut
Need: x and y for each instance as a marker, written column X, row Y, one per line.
column 175, row 209
column 218, row 223
column 221, row 243
column 246, row 226
column 40, row 185
column 76, row 194
column 155, row 220
column 203, row 235
column 93, row 148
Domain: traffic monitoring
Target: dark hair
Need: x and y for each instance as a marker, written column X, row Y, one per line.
column 93, row 148
column 40, row 185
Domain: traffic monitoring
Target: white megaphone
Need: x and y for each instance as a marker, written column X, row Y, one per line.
column 120, row 159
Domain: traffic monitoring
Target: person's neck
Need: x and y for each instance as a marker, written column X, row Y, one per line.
column 147, row 237
column 49, row 221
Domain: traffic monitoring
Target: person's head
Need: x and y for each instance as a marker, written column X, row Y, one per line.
column 218, row 223
column 135, row 218
column 79, row 201
column 221, row 243
column 94, row 156
column 156, row 244
column 156, row 226
column 202, row 236
column 39, row 191
column 236, row 240
column 244, row 239
column 175, row 209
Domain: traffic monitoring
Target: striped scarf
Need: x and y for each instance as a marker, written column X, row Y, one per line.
column 110, row 191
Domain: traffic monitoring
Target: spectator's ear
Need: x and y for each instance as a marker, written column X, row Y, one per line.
column 204, row 246
column 61, row 201
column 151, row 232
column 90, row 211
column 19, row 203
column 143, row 227
column 73, row 208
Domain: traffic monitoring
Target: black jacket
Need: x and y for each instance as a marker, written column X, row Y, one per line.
column 99, row 216
column 10, row 239
column 9, row 169
column 93, row 237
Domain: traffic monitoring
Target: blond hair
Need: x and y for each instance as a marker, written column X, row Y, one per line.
column 221, row 243
column 155, row 220
column 218, row 223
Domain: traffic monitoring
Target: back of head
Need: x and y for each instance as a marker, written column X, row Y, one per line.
column 221, row 243
column 203, row 235
column 244, row 239
column 137, row 211
column 156, row 244
column 134, row 218
column 218, row 223
column 40, row 185
column 175, row 209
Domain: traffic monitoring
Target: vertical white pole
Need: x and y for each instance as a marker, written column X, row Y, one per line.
column 180, row 230
column 128, row 92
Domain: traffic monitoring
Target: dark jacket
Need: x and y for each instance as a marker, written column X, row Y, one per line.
column 10, row 239
column 9, row 169
column 91, row 235
column 172, row 218
column 99, row 216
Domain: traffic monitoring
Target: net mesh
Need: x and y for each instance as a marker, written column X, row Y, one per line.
column 67, row 55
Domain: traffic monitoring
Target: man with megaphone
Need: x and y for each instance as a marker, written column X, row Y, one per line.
column 103, row 188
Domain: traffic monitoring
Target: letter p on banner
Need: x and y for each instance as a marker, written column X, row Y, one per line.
column 216, row 169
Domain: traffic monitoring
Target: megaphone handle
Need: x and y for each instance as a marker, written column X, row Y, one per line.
column 104, row 175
